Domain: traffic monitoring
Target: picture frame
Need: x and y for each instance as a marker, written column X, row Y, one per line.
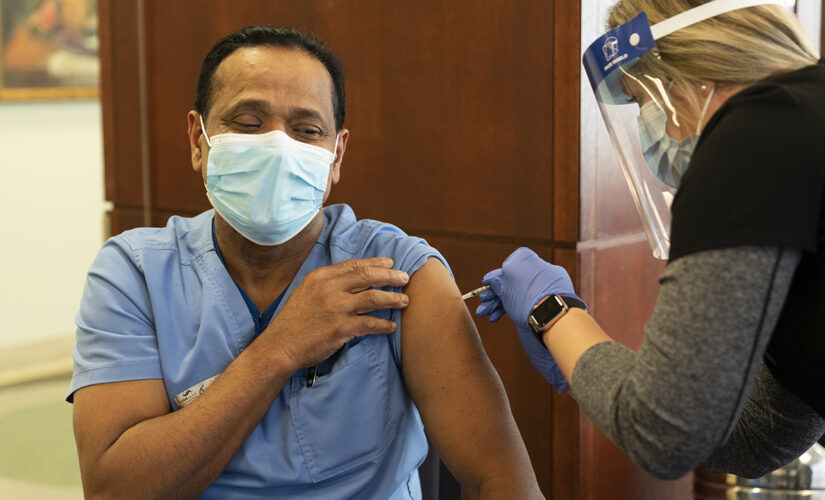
column 48, row 50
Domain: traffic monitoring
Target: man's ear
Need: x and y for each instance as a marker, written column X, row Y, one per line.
column 195, row 146
column 343, row 137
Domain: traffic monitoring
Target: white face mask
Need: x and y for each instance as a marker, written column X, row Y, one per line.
column 268, row 187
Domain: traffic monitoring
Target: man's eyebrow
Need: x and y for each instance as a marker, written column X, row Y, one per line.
column 306, row 113
column 264, row 106
column 248, row 104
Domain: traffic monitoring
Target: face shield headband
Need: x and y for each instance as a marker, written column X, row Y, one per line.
column 651, row 133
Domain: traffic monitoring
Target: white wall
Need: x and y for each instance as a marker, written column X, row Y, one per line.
column 51, row 204
column 810, row 15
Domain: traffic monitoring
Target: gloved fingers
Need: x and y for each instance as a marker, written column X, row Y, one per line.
column 487, row 296
column 492, row 275
column 487, row 306
column 484, row 309
column 496, row 314
column 492, row 308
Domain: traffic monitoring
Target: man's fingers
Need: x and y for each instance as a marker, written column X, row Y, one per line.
column 368, row 325
column 361, row 274
column 366, row 277
column 385, row 262
column 355, row 265
column 376, row 300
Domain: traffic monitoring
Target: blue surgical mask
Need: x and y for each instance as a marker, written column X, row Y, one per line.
column 667, row 158
column 268, row 187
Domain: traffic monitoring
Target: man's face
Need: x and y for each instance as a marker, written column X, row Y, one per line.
column 260, row 89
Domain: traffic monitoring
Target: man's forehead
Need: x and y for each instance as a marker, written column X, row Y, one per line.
column 263, row 69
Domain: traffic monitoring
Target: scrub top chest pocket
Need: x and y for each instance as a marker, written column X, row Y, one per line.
column 344, row 418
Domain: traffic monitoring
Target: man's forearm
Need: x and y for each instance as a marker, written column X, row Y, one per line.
column 180, row 454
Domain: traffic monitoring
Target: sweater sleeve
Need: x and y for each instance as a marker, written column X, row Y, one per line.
column 678, row 402
column 774, row 428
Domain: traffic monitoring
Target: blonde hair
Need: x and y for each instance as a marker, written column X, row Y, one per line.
column 738, row 48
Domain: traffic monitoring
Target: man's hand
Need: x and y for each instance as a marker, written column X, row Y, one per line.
column 327, row 309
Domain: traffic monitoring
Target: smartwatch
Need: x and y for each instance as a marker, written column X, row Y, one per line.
column 549, row 310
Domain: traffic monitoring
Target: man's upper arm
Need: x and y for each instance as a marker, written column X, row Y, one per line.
column 454, row 385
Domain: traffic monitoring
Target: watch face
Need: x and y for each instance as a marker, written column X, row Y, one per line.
column 546, row 312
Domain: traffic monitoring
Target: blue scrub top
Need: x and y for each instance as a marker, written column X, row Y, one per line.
column 159, row 304
column 260, row 319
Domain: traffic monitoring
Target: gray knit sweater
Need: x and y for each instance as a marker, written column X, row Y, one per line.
column 697, row 392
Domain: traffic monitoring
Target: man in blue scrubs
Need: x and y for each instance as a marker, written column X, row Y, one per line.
column 272, row 348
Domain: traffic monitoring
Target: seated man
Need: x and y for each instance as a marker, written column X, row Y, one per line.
column 270, row 348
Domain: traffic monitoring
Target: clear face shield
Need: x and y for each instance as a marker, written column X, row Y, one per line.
column 653, row 121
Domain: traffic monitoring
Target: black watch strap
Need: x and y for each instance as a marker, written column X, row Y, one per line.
column 550, row 310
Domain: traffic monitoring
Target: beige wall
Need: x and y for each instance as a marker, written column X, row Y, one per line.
column 51, row 201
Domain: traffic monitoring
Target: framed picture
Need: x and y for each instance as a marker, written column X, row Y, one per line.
column 48, row 49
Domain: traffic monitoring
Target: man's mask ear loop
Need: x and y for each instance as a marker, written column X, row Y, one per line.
column 700, row 123
column 203, row 129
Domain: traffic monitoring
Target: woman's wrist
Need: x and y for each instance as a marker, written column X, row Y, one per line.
column 572, row 335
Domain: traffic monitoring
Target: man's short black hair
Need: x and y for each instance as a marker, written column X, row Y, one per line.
column 275, row 36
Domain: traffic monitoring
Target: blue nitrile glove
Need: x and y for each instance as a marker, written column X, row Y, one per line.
column 523, row 280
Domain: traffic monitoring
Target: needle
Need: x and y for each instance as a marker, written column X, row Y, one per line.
column 475, row 292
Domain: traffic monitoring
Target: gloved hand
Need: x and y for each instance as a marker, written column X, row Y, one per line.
column 523, row 280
